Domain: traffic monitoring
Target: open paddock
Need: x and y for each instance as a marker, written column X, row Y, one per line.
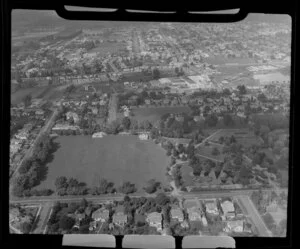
column 115, row 158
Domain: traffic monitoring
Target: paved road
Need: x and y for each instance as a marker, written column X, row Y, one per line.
column 242, row 195
column 254, row 215
column 15, row 230
column 210, row 158
column 202, row 194
column 43, row 218
column 112, row 108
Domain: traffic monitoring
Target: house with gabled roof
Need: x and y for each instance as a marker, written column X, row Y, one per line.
column 228, row 209
column 101, row 215
column 155, row 219
column 211, row 207
column 236, row 226
column 176, row 214
column 119, row 218
column 194, row 209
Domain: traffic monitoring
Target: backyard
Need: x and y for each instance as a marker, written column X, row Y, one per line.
column 115, row 158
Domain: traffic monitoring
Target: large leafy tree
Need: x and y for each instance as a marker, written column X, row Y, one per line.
column 127, row 188
column 61, row 182
column 66, row 223
column 152, row 186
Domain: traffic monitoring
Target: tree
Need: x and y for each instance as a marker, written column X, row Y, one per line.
column 84, row 229
column 161, row 199
column 226, row 91
column 25, row 227
column 228, row 120
column 24, row 168
column 211, row 120
column 244, row 175
column 105, row 187
column 215, row 151
column 126, row 123
column 156, row 74
column 61, row 182
column 27, row 100
column 127, row 188
column 66, row 222
column 242, row 89
column 262, row 97
column 84, row 203
column 145, row 125
column 152, row 186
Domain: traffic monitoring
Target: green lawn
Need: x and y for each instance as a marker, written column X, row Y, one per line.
column 207, row 150
column 116, row 158
column 243, row 136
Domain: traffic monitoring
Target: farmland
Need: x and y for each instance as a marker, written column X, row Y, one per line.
column 153, row 114
column 116, row 158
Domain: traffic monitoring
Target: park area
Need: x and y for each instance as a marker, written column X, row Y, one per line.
column 153, row 114
column 243, row 136
column 115, row 158
column 206, row 151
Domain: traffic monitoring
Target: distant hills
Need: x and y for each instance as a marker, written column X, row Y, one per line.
column 29, row 19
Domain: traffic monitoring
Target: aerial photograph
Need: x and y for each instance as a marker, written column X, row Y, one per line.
column 161, row 128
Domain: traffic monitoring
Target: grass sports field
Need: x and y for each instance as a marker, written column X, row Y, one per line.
column 116, row 158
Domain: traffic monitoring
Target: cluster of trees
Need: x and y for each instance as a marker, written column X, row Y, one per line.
column 127, row 188
column 272, row 121
column 227, row 141
column 70, row 186
column 178, row 177
column 200, row 165
column 211, row 120
column 59, row 219
column 27, row 100
column 104, row 187
column 127, row 124
column 155, row 73
column 152, row 186
column 242, row 89
column 257, row 198
column 17, row 124
column 32, row 170
column 26, row 227
column 179, row 71
column 170, row 126
column 278, row 230
column 70, row 89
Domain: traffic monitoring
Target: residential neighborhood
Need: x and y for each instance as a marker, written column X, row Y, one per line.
column 149, row 127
